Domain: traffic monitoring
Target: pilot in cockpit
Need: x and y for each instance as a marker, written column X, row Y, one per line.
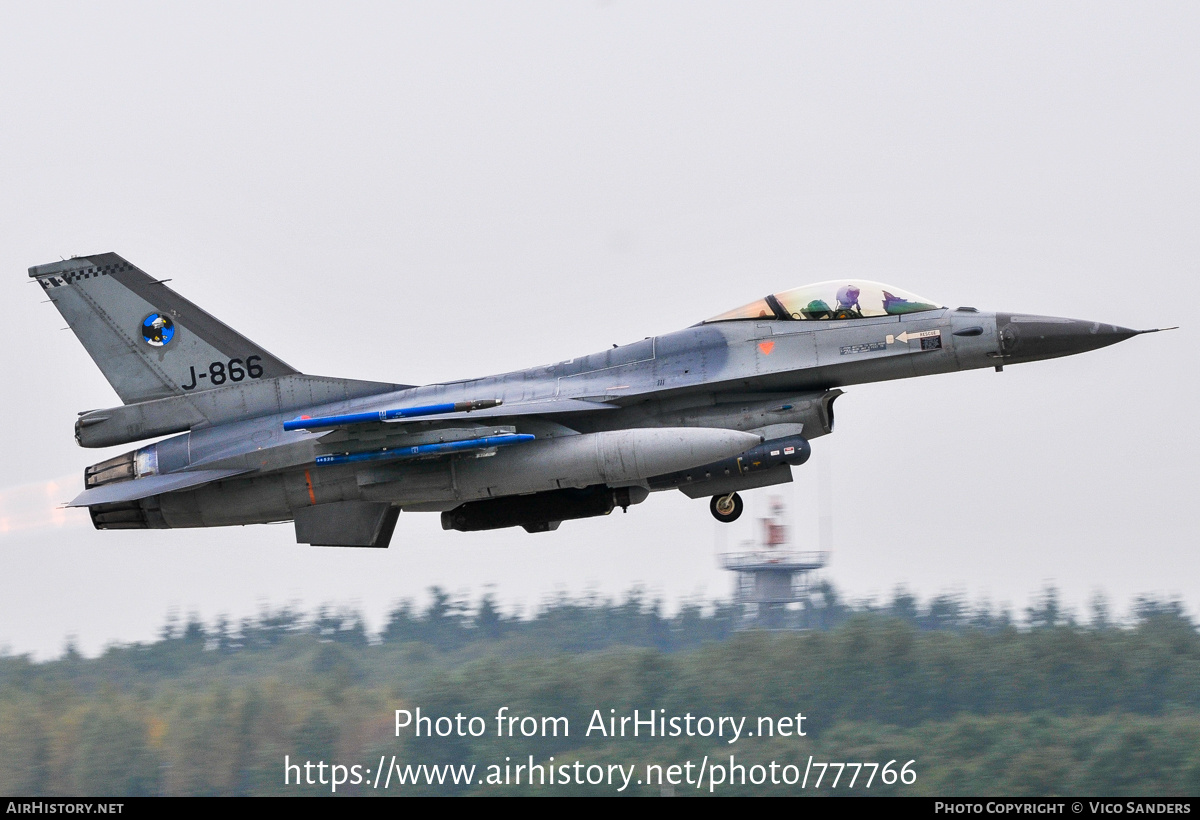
column 848, row 306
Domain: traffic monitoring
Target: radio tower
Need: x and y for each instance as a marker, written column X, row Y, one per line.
column 773, row 581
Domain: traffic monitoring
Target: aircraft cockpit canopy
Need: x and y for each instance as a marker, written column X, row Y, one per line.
column 838, row 299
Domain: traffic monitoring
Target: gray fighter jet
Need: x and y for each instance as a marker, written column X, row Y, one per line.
column 727, row 405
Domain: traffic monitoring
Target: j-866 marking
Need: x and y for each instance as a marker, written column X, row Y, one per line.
column 220, row 372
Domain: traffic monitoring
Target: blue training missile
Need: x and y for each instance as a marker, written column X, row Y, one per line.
column 391, row 415
column 418, row 450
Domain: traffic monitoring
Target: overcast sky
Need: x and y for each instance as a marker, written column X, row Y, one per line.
column 423, row 192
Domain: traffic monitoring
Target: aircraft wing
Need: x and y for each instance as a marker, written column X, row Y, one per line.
column 150, row 485
column 430, row 431
column 547, row 407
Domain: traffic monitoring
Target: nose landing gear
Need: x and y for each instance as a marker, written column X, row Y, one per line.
column 726, row 508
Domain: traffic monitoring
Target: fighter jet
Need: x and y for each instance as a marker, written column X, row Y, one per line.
column 727, row 405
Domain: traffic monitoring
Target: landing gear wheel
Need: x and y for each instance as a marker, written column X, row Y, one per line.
column 726, row 508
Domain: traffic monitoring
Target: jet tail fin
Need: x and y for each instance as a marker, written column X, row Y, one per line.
column 147, row 340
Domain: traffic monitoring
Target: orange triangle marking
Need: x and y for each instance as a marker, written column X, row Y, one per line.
column 766, row 347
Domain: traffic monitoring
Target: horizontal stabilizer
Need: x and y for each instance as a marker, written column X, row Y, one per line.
column 175, row 414
column 150, row 485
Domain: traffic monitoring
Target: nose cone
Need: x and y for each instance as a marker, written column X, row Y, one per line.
column 1029, row 338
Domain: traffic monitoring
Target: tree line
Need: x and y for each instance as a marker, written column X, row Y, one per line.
column 984, row 701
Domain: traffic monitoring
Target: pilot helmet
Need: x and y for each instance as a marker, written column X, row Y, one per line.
column 847, row 295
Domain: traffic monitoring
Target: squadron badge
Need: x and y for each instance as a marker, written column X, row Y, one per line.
column 157, row 330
